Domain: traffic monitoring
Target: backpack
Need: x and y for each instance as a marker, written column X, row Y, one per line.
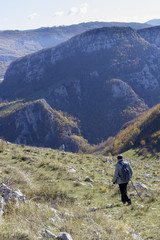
column 124, row 173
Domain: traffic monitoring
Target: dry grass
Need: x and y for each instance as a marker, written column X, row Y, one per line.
column 86, row 210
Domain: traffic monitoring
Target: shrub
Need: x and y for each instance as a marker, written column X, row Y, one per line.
column 3, row 145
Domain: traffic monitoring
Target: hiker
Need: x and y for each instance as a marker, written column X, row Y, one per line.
column 122, row 169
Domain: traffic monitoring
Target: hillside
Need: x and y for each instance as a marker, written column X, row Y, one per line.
column 152, row 35
column 142, row 132
column 78, row 77
column 37, row 124
column 14, row 44
column 73, row 193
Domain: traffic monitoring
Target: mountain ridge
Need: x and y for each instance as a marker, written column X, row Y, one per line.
column 17, row 43
column 74, row 76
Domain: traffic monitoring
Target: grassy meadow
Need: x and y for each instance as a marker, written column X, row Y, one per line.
column 73, row 193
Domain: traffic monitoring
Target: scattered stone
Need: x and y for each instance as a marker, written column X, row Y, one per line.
column 72, row 170
column 104, row 175
column 68, row 214
column 62, row 147
column 88, row 180
column 56, row 218
column 147, row 167
column 54, row 205
column 2, row 207
column 97, row 233
column 133, row 193
column 25, row 158
column 146, row 195
column 139, row 205
column 93, row 209
column 55, row 211
column 83, row 184
column 78, row 178
column 109, row 206
column 90, row 185
column 64, row 236
column 147, row 175
column 141, row 186
column 110, row 161
column 50, row 234
column 1, row 212
column 18, row 195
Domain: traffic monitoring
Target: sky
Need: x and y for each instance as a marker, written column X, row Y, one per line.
column 32, row 14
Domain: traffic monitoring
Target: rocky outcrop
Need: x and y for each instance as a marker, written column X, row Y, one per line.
column 37, row 124
column 10, row 194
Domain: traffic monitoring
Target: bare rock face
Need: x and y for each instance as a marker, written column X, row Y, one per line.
column 37, row 124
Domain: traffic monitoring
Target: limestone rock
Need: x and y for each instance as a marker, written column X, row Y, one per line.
column 64, row 236
column 88, row 180
column 9, row 193
column 50, row 234
column 142, row 186
column 147, row 175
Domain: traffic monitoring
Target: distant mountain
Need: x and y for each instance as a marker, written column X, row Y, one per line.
column 100, row 77
column 141, row 132
column 153, row 22
column 152, row 35
column 37, row 124
column 14, row 44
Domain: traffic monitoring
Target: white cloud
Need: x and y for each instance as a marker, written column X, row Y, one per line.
column 32, row 16
column 73, row 11
column 58, row 14
column 83, row 9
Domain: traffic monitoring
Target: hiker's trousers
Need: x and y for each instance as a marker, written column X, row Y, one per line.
column 123, row 190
